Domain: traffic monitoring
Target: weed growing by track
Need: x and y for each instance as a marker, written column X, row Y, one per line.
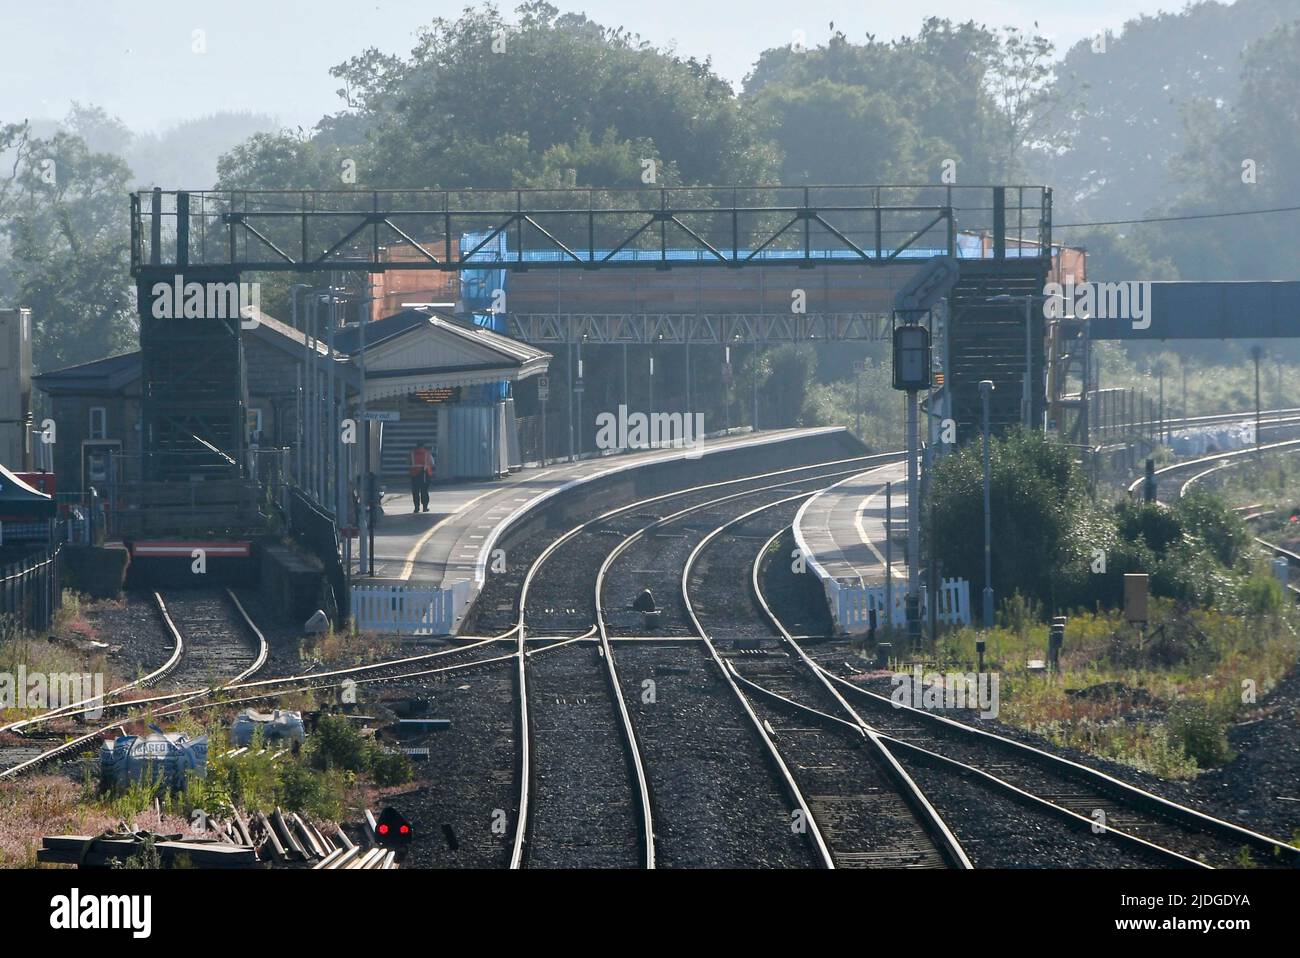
column 1159, row 699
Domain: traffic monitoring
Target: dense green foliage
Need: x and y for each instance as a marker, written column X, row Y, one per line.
column 1065, row 552
column 1158, row 119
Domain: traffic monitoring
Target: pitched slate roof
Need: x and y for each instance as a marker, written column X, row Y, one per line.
column 100, row 376
column 113, row 375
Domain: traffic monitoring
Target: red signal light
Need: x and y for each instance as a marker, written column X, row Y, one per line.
column 392, row 829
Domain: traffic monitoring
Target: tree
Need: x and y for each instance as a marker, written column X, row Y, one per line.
column 1039, row 517
column 836, row 133
column 954, row 91
column 1110, row 153
column 64, row 212
column 555, row 99
column 1239, row 156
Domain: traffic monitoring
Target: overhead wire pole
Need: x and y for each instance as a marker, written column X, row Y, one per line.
column 1257, row 353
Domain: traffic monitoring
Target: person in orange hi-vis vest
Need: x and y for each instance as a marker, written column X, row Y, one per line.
column 421, row 471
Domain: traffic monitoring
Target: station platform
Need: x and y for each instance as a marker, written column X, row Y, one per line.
column 451, row 546
column 841, row 530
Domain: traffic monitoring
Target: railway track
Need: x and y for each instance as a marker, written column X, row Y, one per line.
column 1150, row 825
column 220, row 645
column 721, row 793
column 215, row 635
column 867, row 809
column 1175, row 480
column 1112, row 804
column 1203, row 469
column 584, row 798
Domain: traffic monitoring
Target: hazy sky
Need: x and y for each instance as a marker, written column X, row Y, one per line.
column 135, row 57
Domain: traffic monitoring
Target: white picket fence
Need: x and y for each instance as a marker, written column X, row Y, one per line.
column 408, row 609
column 852, row 603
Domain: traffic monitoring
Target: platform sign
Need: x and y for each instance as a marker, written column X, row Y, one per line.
column 383, row 415
column 543, row 388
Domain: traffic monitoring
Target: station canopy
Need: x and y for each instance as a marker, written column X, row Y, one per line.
column 419, row 349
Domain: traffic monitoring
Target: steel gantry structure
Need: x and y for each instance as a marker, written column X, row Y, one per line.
column 321, row 230
column 193, row 399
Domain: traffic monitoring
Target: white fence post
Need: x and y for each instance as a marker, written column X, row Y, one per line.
column 852, row 603
column 406, row 610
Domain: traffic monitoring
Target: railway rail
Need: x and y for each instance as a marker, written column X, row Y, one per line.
column 1148, row 822
column 713, row 804
column 1204, row 466
column 862, row 805
column 578, row 803
column 214, row 634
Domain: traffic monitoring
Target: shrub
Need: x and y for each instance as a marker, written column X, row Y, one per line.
column 338, row 744
column 1205, row 515
column 389, row 768
column 299, row 787
column 1151, row 523
column 1261, row 594
column 1200, row 733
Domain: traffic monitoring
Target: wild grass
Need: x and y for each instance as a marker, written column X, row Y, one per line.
column 1159, row 698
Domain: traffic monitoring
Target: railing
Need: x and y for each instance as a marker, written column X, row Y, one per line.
column 316, row 530
column 31, row 590
column 322, row 230
column 852, row 603
column 406, row 609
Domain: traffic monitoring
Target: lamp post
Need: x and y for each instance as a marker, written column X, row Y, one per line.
column 986, row 390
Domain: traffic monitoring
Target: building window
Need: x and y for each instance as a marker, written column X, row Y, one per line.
column 98, row 422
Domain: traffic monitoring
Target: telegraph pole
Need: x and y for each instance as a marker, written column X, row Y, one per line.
column 1257, row 354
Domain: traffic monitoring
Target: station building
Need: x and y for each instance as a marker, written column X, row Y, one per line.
column 440, row 378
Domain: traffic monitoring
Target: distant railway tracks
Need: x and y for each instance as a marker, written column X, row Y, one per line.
column 220, row 626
